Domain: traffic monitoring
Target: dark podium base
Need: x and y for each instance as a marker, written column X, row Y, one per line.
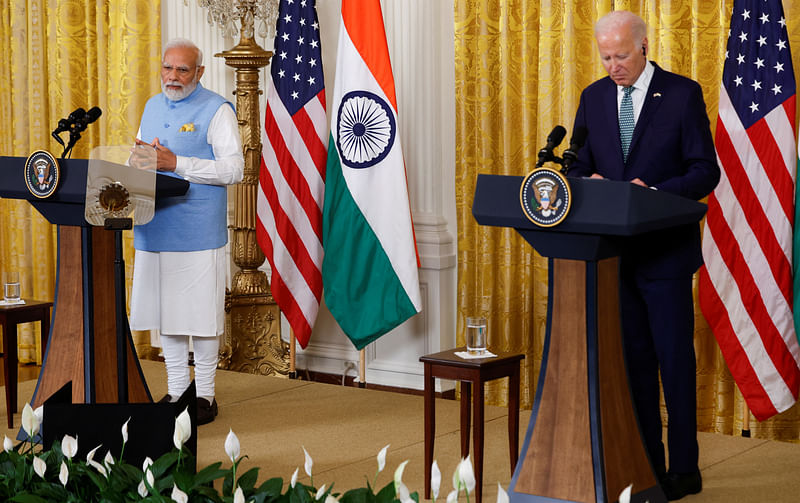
column 150, row 429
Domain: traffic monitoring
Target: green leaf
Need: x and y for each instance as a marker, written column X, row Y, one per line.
column 359, row 495
column 28, row 498
column 248, row 480
column 387, row 494
column 272, row 487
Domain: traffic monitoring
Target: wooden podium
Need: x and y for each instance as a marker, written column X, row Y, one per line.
column 82, row 347
column 583, row 442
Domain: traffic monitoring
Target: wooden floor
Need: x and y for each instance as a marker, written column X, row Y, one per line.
column 343, row 428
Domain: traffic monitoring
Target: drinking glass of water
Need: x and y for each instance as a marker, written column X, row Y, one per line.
column 11, row 290
column 476, row 335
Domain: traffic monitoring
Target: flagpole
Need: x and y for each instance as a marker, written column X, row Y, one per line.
column 362, row 380
column 292, row 355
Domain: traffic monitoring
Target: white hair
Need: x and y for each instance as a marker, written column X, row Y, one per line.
column 183, row 43
column 618, row 19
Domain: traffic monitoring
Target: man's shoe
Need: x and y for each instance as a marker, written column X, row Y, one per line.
column 165, row 399
column 206, row 412
column 678, row 485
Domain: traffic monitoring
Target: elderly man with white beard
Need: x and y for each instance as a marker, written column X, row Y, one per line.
column 179, row 265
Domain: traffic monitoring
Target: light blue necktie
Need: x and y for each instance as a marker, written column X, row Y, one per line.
column 626, row 122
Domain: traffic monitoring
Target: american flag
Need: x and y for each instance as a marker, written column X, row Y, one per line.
column 292, row 174
column 746, row 283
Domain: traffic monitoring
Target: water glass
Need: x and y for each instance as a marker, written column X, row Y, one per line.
column 476, row 335
column 11, row 290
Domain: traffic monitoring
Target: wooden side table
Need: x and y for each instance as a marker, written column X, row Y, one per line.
column 10, row 317
column 472, row 373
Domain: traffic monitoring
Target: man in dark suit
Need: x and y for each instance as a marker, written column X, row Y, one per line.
column 649, row 127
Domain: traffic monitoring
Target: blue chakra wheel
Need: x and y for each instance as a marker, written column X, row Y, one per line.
column 366, row 129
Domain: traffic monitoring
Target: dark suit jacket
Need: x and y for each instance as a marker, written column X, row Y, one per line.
column 671, row 150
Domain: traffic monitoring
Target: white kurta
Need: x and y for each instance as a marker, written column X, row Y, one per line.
column 183, row 293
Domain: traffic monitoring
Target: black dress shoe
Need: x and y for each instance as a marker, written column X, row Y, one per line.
column 206, row 412
column 678, row 485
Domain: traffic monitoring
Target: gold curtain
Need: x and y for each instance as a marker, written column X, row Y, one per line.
column 520, row 67
column 58, row 55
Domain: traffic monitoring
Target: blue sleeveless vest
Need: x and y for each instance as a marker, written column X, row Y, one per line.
column 198, row 219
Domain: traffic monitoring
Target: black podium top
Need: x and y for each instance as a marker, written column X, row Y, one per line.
column 66, row 205
column 604, row 214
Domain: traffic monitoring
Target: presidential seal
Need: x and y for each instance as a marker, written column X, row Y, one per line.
column 366, row 129
column 42, row 174
column 545, row 197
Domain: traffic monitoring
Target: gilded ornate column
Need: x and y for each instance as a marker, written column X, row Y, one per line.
column 252, row 333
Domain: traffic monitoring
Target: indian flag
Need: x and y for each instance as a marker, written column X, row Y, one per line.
column 370, row 269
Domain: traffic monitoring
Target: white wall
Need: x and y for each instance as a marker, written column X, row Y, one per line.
column 420, row 37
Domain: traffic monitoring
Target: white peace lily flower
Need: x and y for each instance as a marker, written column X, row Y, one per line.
column 90, row 456
column 238, row 495
column 69, row 446
column 39, row 413
column 382, row 458
column 8, row 445
column 232, row 446
column 453, row 496
column 30, row 423
column 39, row 466
column 309, row 463
column 183, row 429
column 403, row 494
column 294, row 477
column 625, row 495
column 108, row 460
column 178, row 496
column 466, row 475
column 320, row 492
column 148, row 475
column 398, row 474
column 436, row 479
column 63, row 474
column 147, row 463
column 91, row 462
column 502, row 495
column 331, row 499
column 125, row 431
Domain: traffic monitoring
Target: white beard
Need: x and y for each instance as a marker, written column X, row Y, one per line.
column 178, row 94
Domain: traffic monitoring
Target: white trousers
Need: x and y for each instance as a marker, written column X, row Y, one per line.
column 182, row 294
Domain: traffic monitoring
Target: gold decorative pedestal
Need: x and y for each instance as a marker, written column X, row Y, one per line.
column 252, row 327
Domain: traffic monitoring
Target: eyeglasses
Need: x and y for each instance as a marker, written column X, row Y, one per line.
column 183, row 71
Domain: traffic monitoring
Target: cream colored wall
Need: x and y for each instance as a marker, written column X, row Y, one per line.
column 420, row 35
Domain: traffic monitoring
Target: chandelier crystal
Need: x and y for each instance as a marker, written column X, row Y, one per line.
column 247, row 13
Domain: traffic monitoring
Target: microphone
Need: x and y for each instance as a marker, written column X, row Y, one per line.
column 79, row 125
column 87, row 118
column 553, row 139
column 575, row 143
column 65, row 124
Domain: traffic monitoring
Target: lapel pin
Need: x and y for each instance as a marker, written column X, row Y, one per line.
column 656, row 95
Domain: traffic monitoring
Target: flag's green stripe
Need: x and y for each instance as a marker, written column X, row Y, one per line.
column 361, row 288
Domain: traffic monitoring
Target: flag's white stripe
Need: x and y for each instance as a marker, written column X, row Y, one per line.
column 284, row 264
column 291, row 205
column 781, row 129
column 387, row 211
column 316, row 112
column 296, row 146
column 765, row 193
column 756, row 262
column 758, row 357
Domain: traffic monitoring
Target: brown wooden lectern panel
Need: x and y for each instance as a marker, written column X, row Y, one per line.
column 65, row 351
